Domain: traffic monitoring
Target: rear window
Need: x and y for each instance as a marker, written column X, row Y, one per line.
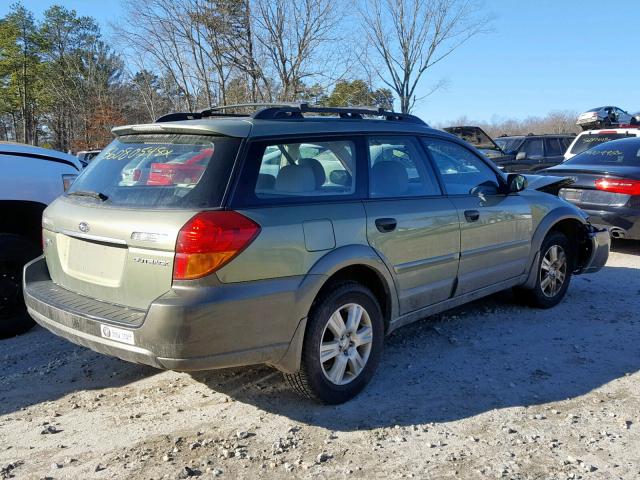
column 159, row 170
column 621, row 152
column 586, row 141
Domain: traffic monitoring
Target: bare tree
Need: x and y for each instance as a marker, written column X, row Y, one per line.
column 558, row 121
column 411, row 36
column 295, row 34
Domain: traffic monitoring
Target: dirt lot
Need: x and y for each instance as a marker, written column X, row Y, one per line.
column 491, row 390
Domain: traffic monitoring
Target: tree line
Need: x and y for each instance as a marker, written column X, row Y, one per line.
column 559, row 121
column 63, row 85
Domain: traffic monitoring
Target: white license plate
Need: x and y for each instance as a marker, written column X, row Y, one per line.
column 117, row 334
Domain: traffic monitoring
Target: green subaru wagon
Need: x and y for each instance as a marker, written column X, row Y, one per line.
column 294, row 236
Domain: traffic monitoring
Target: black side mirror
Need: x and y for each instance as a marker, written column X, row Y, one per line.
column 340, row 177
column 516, row 182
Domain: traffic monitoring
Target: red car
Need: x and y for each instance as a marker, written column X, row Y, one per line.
column 180, row 170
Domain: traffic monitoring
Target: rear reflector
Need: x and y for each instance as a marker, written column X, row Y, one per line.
column 210, row 240
column 619, row 185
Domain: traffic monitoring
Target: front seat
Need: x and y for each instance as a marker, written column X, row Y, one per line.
column 318, row 170
column 295, row 179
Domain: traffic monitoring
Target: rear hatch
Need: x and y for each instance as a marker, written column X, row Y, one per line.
column 479, row 139
column 113, row 240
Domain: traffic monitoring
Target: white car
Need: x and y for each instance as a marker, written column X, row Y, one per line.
column 591, row 138
column 30, row 179
column 603, row 117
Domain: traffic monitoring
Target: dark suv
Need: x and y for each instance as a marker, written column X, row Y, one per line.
column 294, row 240
column 528, row 153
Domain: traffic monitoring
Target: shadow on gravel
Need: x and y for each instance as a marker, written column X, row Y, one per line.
column 490, row 354
column 39, row 367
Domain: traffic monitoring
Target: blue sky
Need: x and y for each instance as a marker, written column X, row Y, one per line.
column 542, row 55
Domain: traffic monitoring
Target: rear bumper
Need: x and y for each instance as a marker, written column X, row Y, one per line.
column 600, row 245
column 624, row 223
column 185, row 329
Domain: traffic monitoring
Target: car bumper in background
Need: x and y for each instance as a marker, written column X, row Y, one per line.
column 192, row 329
column 622, row 224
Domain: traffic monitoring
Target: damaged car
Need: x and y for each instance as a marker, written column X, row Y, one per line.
column 304, row 236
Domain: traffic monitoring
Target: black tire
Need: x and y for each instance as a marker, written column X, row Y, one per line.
column 311, row 381
column 15, row 251
column 541, row 296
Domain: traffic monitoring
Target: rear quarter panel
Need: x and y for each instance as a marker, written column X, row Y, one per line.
column 281, row 249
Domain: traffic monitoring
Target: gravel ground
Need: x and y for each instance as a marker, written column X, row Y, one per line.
column 490, row 390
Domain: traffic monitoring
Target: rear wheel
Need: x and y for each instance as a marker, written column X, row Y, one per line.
column 553, row 273
column 15, row 251
column 342, row 345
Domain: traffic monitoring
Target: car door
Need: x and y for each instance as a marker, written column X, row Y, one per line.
column 553, row 152
column 495, row 228
column 412, row 226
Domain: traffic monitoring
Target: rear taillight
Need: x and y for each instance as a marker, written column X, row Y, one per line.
column 210, row 240
column 617, row 185
column 137, row 173
column 67, row 180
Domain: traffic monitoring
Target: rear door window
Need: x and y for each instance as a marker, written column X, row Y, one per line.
column 159, row 170
column 534, row 148
column 304, row 170
column 553, row 147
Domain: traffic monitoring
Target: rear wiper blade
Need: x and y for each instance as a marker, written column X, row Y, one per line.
column 86, row 193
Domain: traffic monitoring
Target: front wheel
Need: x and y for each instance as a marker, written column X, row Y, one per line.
column 553, row 274
column 342, row 345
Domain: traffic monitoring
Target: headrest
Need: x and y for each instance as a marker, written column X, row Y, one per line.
column 389, row 178
column 265, row 182
column 318, row 170
column 295, row 179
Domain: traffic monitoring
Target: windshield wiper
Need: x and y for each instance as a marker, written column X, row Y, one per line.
column 86, row 193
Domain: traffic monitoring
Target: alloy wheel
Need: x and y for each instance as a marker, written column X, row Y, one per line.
column 346, row 344
column 553, row 271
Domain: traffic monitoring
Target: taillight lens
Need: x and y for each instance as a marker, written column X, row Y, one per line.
column 137, row 173
column 67, row 180
column 617, row 185
column 210, row 240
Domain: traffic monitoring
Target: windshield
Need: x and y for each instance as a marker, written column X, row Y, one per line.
column 619, row 152
column 159, row 170
column 509, row 145
column 589, row 140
